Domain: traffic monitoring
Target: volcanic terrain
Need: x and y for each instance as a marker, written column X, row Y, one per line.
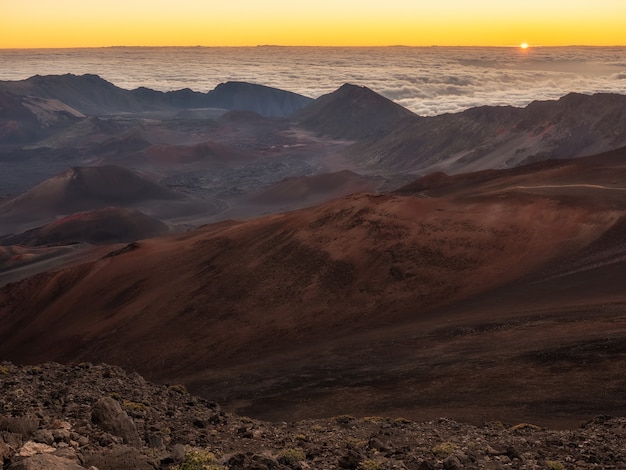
column 475, row 296
column 295, row 258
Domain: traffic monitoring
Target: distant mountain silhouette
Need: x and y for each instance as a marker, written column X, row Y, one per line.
column 93, row 95
column 264, row 100
column 352, row 112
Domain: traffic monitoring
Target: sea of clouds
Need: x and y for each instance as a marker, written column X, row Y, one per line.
column 428, row 81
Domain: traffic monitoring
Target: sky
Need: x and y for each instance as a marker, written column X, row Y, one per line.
column 102, row 23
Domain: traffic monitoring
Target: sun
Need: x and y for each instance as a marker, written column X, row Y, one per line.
column 524, row 45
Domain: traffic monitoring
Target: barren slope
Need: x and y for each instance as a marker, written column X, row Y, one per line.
column 391, row 304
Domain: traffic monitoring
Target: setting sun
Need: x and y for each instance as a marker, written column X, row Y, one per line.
column 523, row 45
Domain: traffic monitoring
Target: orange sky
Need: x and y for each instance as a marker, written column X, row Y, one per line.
column 93, row 23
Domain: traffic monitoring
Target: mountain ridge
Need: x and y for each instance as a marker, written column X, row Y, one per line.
column 91, row 94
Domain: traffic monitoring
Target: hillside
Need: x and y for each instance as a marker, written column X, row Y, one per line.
column 27, row 119
column 307, row 190
column 108, row 225
column 354, row 305
column 83, row 188
column 498, row 137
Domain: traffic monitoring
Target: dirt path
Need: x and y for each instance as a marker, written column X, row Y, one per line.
column 549, row 186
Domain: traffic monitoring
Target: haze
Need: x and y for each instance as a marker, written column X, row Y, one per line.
column 74, row 23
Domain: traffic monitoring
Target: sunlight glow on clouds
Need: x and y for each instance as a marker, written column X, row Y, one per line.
column 427, row 80
column 86, row 23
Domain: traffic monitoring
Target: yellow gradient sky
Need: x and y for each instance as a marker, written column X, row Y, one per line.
column 93, row 23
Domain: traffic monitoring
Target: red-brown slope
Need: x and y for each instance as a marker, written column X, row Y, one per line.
column 383, row 304
column 107, row 225
column 607, row 170
column 315, row 189
column 85, row 188
column 179, row 304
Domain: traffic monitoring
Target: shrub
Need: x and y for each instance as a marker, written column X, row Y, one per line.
column 199, row 459
column 374, row 419
column 179, row 388
column 134, row 406
column 525, row 427
column 554, row 465
column 370, row 465
column 291, row 456
column 444, row 449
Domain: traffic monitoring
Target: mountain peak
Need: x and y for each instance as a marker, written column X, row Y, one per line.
column 352, row 112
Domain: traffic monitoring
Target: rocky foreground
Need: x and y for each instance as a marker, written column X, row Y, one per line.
column 72, row 417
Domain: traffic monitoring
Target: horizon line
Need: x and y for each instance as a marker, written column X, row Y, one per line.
column 199, row 46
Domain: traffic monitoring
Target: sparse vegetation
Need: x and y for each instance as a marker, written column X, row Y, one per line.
column 402, row 421
column 344, row 419
column 444, row 449
column 196, row 435
column 554, row 465
column 199, row 459
column 134, row 406
column 374, row 419
column 525, row 427
column 178, row 388
column 370, row 465
column 4, row 370
column 291, row 456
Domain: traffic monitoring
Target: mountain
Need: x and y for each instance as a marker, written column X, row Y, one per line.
column 352, row 112
column 263, row 100
column 499, row 137
column 487, row 297
column 26, row 119
column 85, row 188
column 108, row 225
column 93, row 95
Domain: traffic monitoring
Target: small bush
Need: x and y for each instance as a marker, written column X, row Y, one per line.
column 344, row 419
column 291, row 456
column 554, row 465
column 178, row 388
column 374, row 419
column 134, row 406
column 199, row 459
column 370, row 465
column 444, row 449
column 526, row 427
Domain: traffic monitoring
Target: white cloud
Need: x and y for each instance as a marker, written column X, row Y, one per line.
column 428, row 81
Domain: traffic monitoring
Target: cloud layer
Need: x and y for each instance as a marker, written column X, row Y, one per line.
column 428, row 81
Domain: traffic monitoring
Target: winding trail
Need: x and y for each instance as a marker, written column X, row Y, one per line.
column 593, row 186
